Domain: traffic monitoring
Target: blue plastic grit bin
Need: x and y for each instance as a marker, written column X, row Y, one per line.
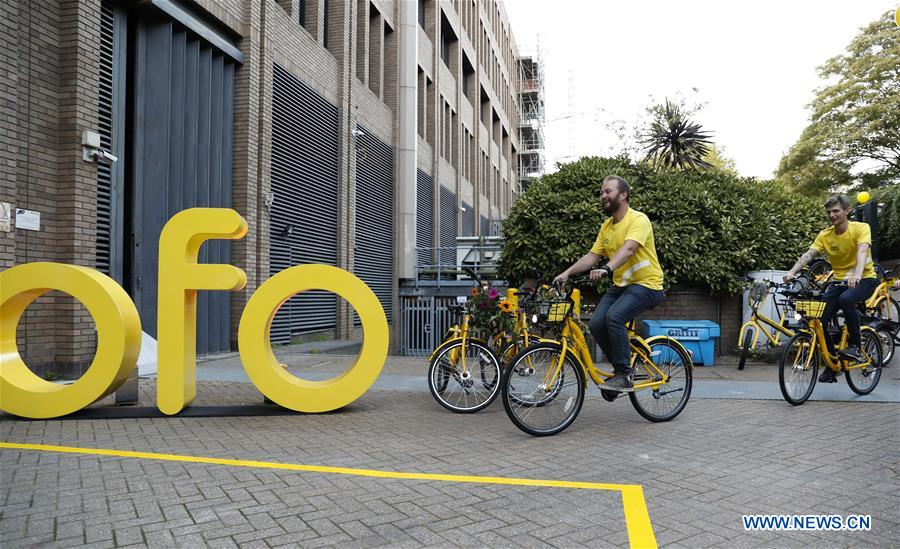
column 697, row 336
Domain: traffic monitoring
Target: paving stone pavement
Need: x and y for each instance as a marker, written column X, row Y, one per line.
column 718, row 460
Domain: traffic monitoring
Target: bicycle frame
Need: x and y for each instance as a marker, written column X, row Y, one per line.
column 573, row 342
column 834, row 362
column 756, row 322
column 881, row 293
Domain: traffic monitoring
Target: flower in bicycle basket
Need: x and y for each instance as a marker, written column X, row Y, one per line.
column 506, row 306
column 493, row 294
column 474, row 292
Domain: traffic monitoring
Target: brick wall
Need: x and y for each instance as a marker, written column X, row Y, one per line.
column 694, row 304
column 48, row 84
column 697, row 305
column 49, row 97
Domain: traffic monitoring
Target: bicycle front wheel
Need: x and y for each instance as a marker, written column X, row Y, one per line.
column 671, row 365
column 464, row 379
column 797, row 369
column 745, row 347
column 862, row 381
column 540, row 396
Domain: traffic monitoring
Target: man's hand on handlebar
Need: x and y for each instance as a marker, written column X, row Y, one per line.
column 561, row 278
column 788, row 277
column 598, row 274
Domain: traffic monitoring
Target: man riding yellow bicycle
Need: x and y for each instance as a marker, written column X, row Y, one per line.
column 626, row 238
column 847, row 245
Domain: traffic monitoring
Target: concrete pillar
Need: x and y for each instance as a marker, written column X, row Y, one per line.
column 408, row 33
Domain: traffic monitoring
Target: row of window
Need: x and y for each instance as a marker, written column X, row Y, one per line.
column 488, row 50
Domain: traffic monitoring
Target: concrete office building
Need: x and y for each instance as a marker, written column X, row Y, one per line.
column 347, row 132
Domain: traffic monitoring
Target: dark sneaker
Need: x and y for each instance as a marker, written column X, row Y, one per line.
column 619, row 382
column 827, row 376
column 852, row 353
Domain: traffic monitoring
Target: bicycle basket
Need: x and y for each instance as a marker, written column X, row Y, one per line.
column 553, row 311
column 810, row 309
column 757, row 293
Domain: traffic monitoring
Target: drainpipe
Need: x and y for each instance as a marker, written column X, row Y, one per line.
column 408, row 37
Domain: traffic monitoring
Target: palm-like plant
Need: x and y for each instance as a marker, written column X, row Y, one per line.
column 674, row 141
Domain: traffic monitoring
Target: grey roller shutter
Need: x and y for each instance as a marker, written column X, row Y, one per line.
column 425, row 217
column 374, row 252
column 110, row 126
column 468, row 220
column 184, row 103
column 304, row 215
column 448, row 229
column 485, row 226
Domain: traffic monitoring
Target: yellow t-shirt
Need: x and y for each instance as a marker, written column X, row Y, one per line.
column 841, row 249
column 641, row 268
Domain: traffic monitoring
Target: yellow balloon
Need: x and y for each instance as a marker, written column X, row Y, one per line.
column 118, row 339
column 862, row 197
column 278, row 384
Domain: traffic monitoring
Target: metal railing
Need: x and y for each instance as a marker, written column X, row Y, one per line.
column 446, row 263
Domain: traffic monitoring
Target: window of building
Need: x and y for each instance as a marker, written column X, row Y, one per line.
column 431, row 115
column 449, row 42
column 421, row 10
column 376, row 50
column 468, row 80
column 327, row 13
column 390, row 72
column 420, row 103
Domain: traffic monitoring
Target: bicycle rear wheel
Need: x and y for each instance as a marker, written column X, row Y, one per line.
column 541, row 397
column 663, row 402
column 888, row 309
column 469, row 389
column 797, row 369
column 510, row 351
column 887, row 344
column 862, row 381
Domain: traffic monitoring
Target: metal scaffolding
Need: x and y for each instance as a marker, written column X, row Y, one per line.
column 531, row 122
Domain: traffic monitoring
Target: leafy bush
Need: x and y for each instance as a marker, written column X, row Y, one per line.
column 710, row 227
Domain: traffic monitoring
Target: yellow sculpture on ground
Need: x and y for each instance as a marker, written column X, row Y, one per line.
column 180, row 276
column 25, row 394
column 277, row 383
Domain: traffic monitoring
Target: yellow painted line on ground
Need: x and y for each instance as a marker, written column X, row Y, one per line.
column 637, row 517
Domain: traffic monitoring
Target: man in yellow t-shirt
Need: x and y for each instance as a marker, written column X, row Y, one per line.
column 626, row 238
column 847, row 245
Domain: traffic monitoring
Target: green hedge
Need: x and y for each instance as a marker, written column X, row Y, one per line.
column 710, row 227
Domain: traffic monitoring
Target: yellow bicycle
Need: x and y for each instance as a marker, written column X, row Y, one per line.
column 750, row 331
column 464, row 370
column 544, row 387
column 881, row 304
column 807, row 350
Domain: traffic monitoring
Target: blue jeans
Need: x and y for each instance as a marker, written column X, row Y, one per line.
column 617, row 307
column 845, row 299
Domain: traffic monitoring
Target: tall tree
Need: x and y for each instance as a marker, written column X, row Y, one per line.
column 855, row 123
column 673, row 140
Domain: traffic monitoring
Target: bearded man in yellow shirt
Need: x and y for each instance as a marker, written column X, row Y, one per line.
column 847, row 245
column 626, row 238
